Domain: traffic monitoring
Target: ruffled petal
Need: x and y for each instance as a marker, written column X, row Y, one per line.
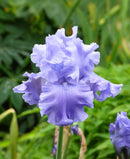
column 90, row 60
column 83, row 56
column 66, row 57
column 87, row 55
column 64, row 104
column 20, row 88
column 102, row 86
column 31, row 88
column 90, row 48
column 54, row 46
column 61, row 34
column 39, row 53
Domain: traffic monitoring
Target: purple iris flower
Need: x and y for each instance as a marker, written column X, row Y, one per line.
column 66, row 81
column 120, row 132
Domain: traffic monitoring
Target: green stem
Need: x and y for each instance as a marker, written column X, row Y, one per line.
column 59, row 146
column 71, row 12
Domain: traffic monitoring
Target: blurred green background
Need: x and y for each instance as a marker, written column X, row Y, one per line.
column 24, row 23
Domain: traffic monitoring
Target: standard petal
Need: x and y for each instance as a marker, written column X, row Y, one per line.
column 61, row 34
column 89, row 48
column 54, row 49
column 90, row 60
column 64, row 104
column 84, row 56
column 66, row 57
column 39, row 53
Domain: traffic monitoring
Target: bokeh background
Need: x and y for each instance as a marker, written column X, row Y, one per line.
column 24, row 23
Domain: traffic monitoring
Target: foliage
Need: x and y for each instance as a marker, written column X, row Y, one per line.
column 13, row 132
column 24, row 23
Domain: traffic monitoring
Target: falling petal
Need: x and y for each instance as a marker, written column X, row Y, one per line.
column 64, row 104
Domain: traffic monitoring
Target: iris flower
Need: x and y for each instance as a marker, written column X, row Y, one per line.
column 66, row 81
column 120, row 133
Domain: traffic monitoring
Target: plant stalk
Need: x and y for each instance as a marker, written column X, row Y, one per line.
column 71, row 12
column 59, row 146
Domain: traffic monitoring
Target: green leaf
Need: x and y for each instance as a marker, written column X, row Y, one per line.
column 2, row 28
column 5, row 16
column 17, row 101
column 124, row 107
column 53, row 10
column 30, row 111
column 13, row 137
column 101, row 146
column 106, row 152
column 4, row 91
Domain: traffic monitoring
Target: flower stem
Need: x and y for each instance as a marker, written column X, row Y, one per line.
column 59, row 146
